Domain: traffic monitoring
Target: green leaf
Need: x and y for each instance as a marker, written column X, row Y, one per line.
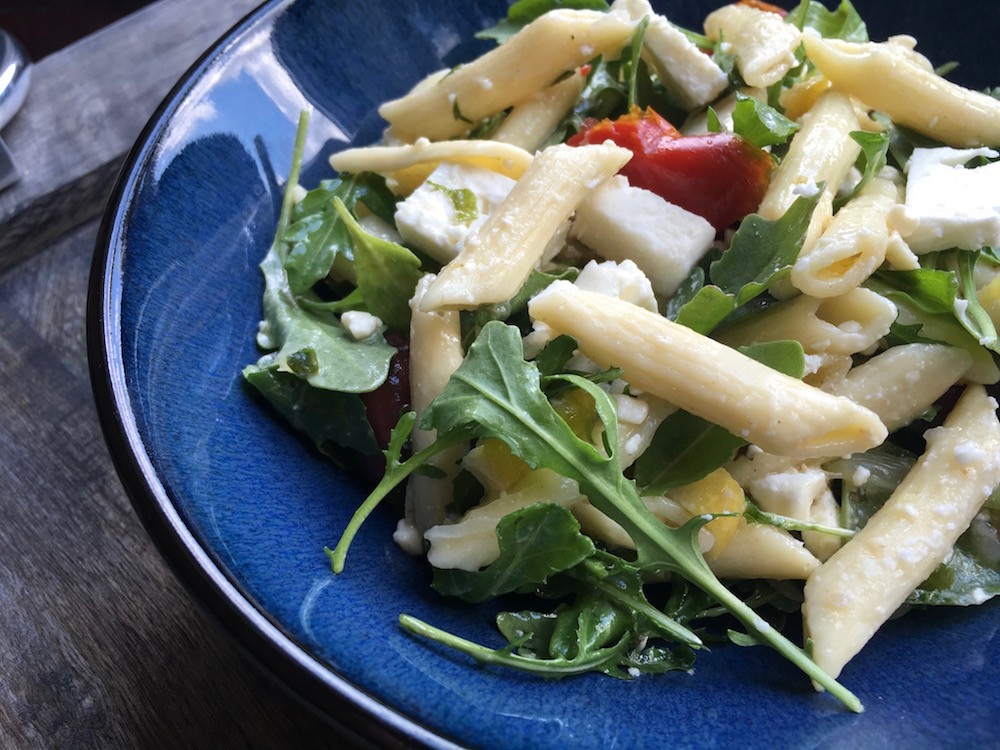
column 763, row 251
column 387, row 273
column 550, row 668
column 523, row 12
column 760, row 124
column 603, row 95
column 786, row 356
column 317, row 234
column 308, row 340
column 630, row 55
column 706, row 309
column 843, row 23
column 930, row 297
column 516, row 306
column 553, row 358
column 972, row 573
column 338, row 362
column 462, row 200
column 325, row 416
column 755, row 515
column 684, row 449
column 713, row 124
column 872, row 159
column 535, row 543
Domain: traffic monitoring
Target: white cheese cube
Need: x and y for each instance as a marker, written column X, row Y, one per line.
column 622, row 222
column 691, row 76
column 948, row 205
column 454, row 200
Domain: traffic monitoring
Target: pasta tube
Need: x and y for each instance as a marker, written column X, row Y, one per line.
column 408, row 166
column 435, row 354
column 854, row 592
column 764, row 44
column 534, row 119
column 822, row 151
column 904, row 382
column 888, row 77
column 776, row 412
column 499, row 255
column 529, row 61
column 852, row 247
column 847, row 324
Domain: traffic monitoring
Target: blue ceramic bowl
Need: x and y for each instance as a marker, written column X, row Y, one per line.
column 242, row 508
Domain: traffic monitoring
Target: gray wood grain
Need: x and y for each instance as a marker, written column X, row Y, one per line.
column 86, row 107
column 100, row 646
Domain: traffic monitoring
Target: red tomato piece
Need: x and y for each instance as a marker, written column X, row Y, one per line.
column 718, row 176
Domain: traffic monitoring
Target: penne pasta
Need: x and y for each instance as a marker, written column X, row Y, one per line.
column 499, row 255
column 778, row 413
column 408, row 166
column 531, row 60
column 889, row 78
column 435, row 354
column 763, row 43
column 822, row 152
column 759, row 551
column 847, row 324
column 852, row 247
column 902, row 383
column 533, row 120
column 853, row 593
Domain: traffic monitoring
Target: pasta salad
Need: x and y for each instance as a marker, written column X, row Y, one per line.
column 632, row 310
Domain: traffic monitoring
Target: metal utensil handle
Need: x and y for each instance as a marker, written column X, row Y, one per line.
column 15, row 76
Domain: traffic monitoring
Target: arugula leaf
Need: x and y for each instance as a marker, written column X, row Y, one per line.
column 686, row 448
column 312, row 344
column 970, row 576
column 603, row 95
column 495, row 393
column 553, row 358
column 873, row 157
column 317, row 234
column 763, row 251
column 755, row 514
column 630, row 56
column 706, row 309
column 930, row 297
column 518, row 304
column 387, row 273
column 325, row 416
column 551, row 668
column 523, row 12
column 972, row 314
column 843, row 23
column 760, row 124
column 535, row 542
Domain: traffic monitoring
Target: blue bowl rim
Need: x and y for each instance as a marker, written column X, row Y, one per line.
column 257, row 633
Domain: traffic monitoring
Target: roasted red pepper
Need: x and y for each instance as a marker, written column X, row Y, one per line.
column 718, row 176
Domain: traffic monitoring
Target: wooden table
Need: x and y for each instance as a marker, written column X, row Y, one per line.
column 100, row 646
